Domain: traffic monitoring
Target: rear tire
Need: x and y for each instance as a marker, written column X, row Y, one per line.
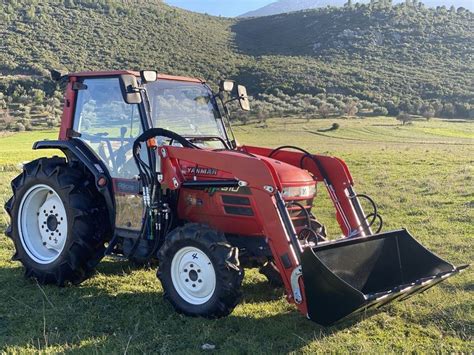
column 57, row 222
column 200, row 272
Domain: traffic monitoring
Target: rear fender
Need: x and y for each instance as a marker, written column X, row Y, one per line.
column 77, row 150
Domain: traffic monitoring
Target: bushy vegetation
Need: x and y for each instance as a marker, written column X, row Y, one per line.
column 380, row 59
column 29, row 103
column 310, row 106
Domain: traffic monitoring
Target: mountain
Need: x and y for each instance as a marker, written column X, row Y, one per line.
column 285, row 6
column 390, row 59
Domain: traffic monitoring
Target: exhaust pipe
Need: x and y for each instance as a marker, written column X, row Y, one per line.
column 349, row 276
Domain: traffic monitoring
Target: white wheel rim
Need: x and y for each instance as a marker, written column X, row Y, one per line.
column 42, row 224
column 193, row 275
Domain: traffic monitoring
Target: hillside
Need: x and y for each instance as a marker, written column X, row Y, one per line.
column 85, row 34
column 284, row 6
column 315, row 63
column 397, row 54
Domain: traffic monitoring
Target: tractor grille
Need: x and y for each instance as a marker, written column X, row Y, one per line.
column 237, row 205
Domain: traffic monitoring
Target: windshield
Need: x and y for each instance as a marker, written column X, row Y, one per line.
column 185, row 108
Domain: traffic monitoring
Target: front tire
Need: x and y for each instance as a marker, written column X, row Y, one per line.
column 200, row 272
column 57, row 222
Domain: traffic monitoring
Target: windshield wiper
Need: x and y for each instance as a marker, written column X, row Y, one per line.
column 207, row 138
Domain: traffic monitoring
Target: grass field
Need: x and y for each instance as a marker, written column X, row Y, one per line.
column 422, row 177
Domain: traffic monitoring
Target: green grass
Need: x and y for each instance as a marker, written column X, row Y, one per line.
column 420, row 175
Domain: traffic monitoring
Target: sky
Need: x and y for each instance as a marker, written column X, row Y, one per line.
column 228, row 8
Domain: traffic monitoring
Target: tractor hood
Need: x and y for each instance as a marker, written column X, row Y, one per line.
column 289, row 175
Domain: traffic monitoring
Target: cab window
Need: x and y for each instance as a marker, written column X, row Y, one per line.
column 108, row 124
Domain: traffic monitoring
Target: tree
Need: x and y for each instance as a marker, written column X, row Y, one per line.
column 324, row 110
column 427, row 111
column 5, row 117
column 38, row 96
column 50, row 123
column 20, row 127
column 404, row 118
column 448, row 110
column 351, row 108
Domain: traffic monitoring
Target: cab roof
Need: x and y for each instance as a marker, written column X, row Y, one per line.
column 131, row 72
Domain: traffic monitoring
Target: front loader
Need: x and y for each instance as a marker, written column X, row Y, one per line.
column 152, row 172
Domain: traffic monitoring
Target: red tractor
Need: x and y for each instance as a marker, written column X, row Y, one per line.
column 152, row 171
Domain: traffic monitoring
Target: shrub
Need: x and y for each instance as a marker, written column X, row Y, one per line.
column 404, row 118
column 380, row 111
column 20, row 127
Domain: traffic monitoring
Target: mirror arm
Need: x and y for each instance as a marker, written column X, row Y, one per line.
column 233, row 99
column 143, row 91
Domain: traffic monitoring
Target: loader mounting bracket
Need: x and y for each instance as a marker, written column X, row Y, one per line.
column 295, row 275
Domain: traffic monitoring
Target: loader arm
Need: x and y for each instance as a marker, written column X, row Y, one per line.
column 334, row 173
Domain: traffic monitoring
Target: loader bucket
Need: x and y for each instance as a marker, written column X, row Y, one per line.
column 349, row 276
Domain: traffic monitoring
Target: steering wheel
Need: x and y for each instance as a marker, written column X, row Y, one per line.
column 155, row 132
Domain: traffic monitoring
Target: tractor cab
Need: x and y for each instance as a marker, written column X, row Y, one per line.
column 109, row 124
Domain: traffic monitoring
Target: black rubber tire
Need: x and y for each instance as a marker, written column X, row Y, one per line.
column 224, row 257
column 86, row 213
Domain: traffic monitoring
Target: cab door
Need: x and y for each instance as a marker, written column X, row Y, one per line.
column 109, row 126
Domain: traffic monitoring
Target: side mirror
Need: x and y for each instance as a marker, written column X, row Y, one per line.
column 130, row 89
column 57, row 75
column 148, row 76
column 226, row 85
column 243, row 98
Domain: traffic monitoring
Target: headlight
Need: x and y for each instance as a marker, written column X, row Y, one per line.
column 299, row 191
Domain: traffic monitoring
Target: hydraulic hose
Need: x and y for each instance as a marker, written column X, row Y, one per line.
column 153, row 216
column 374, row 215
